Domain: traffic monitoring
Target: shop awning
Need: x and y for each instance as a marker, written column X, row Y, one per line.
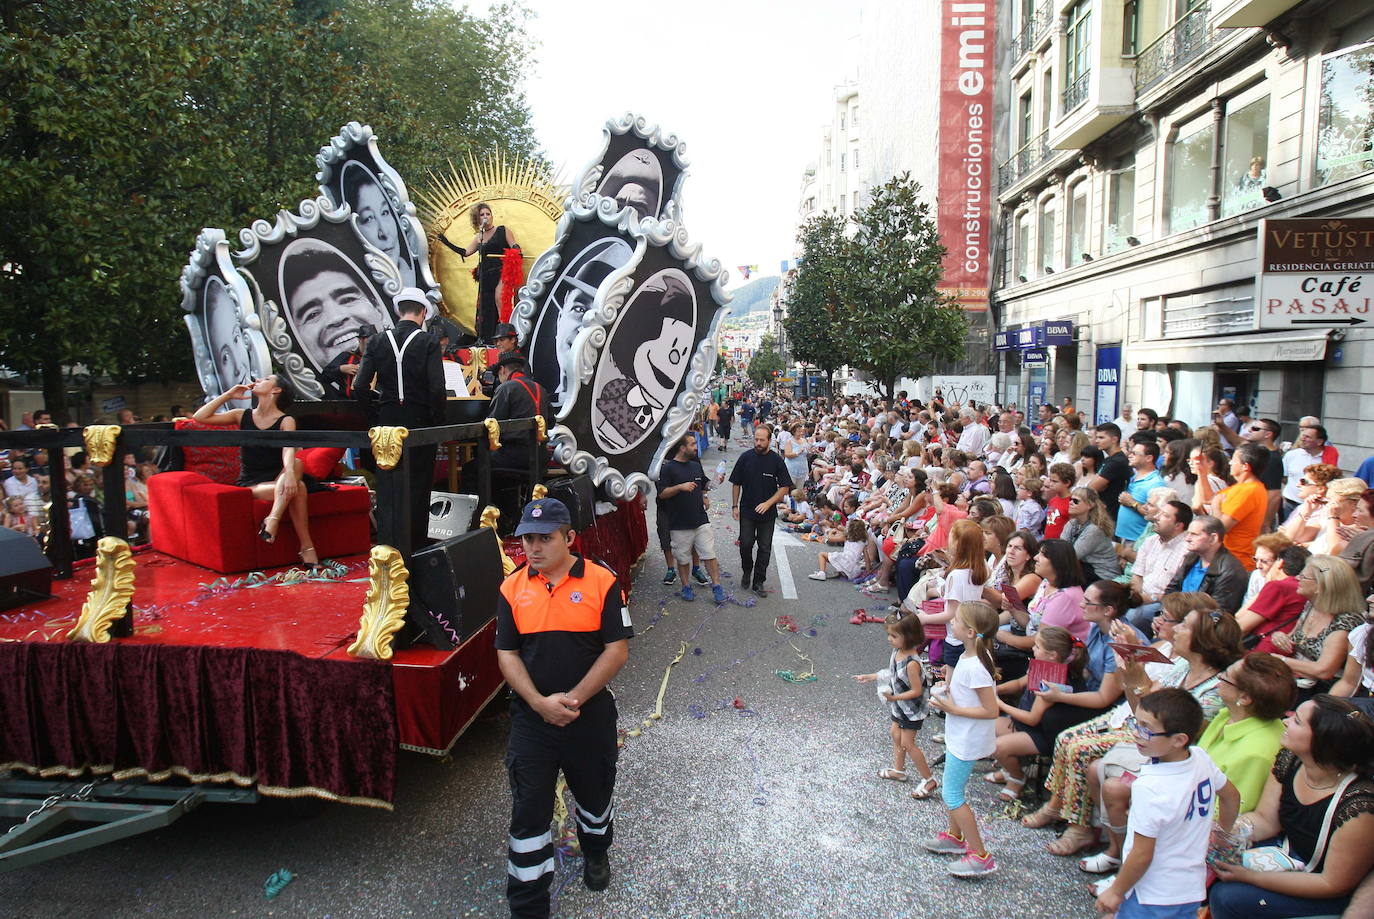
column 1264, row 347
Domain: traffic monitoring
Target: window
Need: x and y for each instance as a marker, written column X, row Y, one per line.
column 1190, row 175
column 1120, row 205
column 1026, row 121
column 1130, row 28
column 841, row 162
column 1022, row 249
column 856, row 158
column 856, row 201
column 1077, row 53
column 1046, row 99
column 1045, row 251
column 1345, row 115
column 1245, row 157
column 1078, row 222
column 841, row 121
column 854, row 116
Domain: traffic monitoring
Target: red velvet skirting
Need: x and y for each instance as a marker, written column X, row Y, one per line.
column 292, row 725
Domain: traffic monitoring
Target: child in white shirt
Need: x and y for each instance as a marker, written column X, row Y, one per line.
column 1180, row 790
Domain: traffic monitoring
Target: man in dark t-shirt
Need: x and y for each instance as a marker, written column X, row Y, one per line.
column 682, row 485
column 1115, row 473
column 760, row 480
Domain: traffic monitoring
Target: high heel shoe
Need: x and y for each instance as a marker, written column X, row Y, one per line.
column 311, row 549
column 265, row 534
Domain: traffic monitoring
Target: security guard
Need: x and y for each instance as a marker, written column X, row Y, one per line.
column 409, row 372
column 562, row 630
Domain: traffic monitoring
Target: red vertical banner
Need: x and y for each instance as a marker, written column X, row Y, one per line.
column 965, row 188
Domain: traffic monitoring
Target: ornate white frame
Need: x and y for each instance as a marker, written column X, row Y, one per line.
column 211, row 259
column 336, row 153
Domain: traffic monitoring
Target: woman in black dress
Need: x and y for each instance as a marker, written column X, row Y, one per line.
column 273, row 474
column 490, row 244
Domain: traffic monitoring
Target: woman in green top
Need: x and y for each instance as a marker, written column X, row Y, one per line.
column 1245, row 736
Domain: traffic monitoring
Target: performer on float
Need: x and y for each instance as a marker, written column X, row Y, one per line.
column 499, row 256
column 273, row 474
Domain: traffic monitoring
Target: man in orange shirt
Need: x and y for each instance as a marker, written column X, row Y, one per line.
column 1242, row 507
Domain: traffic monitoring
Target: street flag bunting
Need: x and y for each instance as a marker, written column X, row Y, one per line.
column 746, row 270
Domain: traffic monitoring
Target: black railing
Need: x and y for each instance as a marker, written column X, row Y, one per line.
column 1033, row 28
column 1023, row 162
column 1076, row 93
column 393, row 485
column 1184, row 41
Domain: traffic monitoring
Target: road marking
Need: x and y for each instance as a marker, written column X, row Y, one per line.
column 781, row 541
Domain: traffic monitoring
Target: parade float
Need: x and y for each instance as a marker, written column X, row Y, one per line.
column 208, row 665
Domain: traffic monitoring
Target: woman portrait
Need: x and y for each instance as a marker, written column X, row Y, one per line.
column 224, row 337
column 375, row 218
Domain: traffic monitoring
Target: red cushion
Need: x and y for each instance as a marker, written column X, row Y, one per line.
column 218, row 464
column 319, row 462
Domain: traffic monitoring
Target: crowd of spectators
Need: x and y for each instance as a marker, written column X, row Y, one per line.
column 1209, row 586
column 25, row 476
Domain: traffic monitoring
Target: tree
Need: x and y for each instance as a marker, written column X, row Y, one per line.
column 127, row 125
column 815, row 302
column 868, row 298
column 904, row 324
column 766, row 364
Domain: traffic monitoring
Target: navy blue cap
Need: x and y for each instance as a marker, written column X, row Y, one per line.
column 545, row 515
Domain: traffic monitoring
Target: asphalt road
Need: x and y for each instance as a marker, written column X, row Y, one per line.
column 751, row 796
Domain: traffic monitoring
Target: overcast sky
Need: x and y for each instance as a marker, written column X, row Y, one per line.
column 746, row 85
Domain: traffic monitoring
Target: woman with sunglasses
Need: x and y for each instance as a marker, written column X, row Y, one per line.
column 1090, row 531
column 1320, row 799
column 1342, row 500
column 1317, row 647
column 1311, row 514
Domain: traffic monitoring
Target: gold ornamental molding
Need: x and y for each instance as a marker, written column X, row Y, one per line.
column 111, row 591
column 540, row 490
column 384, row 608
column 493, row 433
column 489, row 518
column 541, row 426
column 386, row 445
column 100, row 442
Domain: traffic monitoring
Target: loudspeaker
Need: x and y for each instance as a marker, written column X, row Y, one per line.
column 454, row 587
column 25, row 575
column 579, row 494
column 450, row 514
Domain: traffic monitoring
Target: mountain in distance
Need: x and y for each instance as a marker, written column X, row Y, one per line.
column 753, row 297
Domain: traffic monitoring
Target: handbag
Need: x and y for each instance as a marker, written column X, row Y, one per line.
column 1278, row 858
column 910, row 548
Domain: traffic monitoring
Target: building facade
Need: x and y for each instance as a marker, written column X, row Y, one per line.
column 1145, row 144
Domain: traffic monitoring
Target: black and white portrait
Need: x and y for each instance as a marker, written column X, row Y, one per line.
column 635, row 181
column 226, row 340
column 646, row 356
column 551, row 345
column 325, row 297
column 375, row 218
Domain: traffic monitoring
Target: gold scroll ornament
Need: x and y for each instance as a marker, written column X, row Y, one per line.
column 493, row 433
column 540, row 426
column 100, row 442
column 386, row 445
column 384, row 609
column 489, row 518
column 110, row 594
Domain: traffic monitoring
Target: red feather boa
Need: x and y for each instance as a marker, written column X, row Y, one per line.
column 512, row 276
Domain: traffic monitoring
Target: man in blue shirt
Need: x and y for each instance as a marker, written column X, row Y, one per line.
column 1130, row 523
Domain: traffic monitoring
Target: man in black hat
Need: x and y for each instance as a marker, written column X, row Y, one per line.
column 517, row 396
column 562, row 634
column 405, row 363
column 339, row 373
column 505, row 343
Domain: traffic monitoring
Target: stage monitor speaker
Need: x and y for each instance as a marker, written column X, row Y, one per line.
column 25, row 575
column 454, row 587
column 579, row 494
column 450, row 514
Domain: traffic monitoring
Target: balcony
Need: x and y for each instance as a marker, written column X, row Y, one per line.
column 1076, row 93
column 1023, row 162
column 1185, row 41
column 1234, row 14
column 1034, row 29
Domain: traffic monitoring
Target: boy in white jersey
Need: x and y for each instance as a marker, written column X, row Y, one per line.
column 1164, row 871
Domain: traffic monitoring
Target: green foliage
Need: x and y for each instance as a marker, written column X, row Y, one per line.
column 868, row 298
column 127, row 125
column 765, row 362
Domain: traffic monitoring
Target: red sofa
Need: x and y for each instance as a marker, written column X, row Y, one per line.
column 200, row 517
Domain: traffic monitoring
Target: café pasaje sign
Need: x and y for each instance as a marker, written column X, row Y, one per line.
column 1315, row 272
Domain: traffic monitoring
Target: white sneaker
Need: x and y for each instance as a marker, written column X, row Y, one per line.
column 818, row 576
